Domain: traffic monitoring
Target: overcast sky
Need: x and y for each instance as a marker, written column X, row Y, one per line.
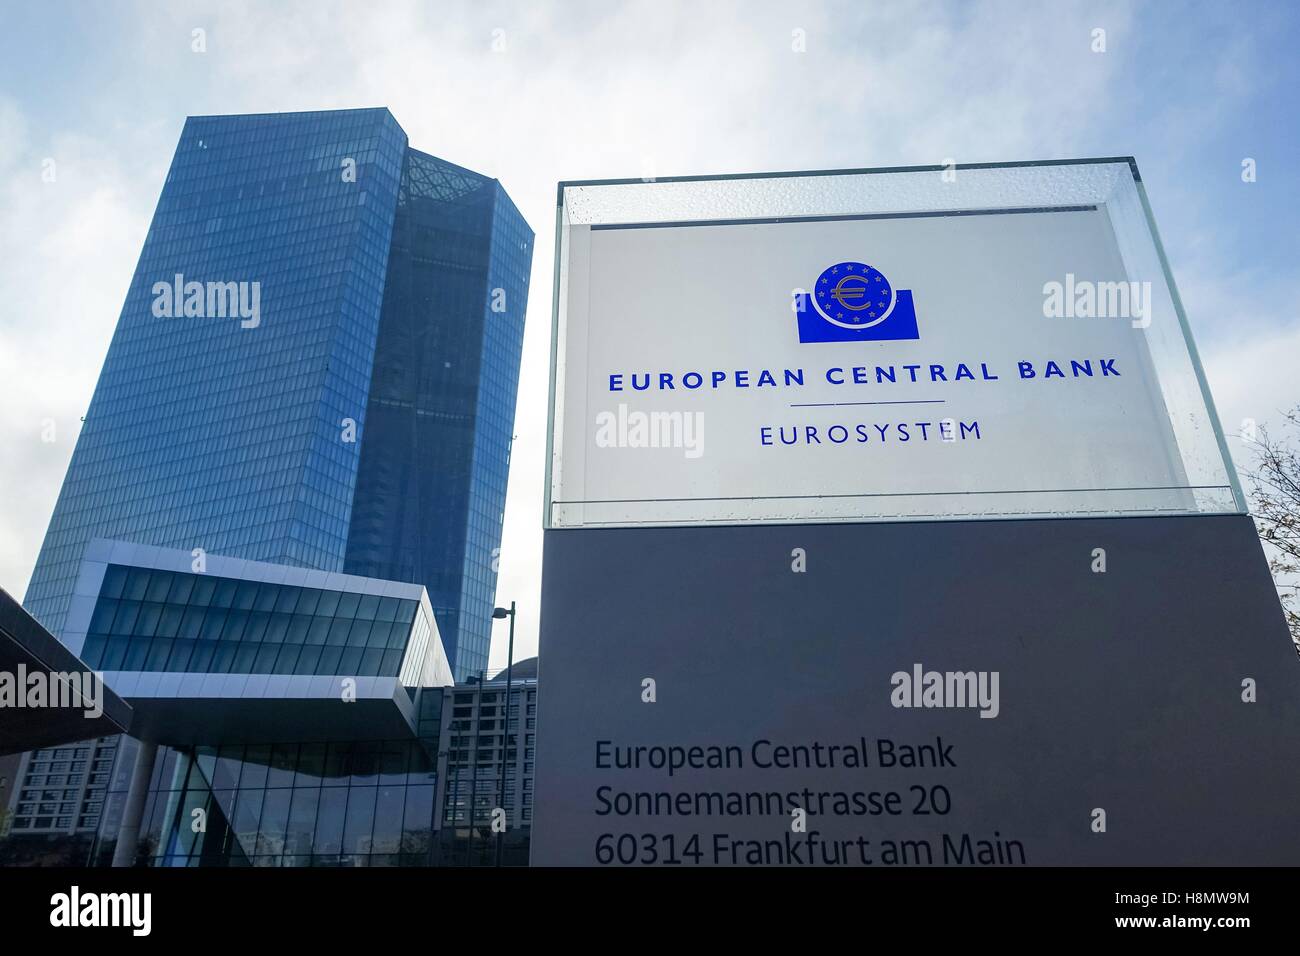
column 628, row 90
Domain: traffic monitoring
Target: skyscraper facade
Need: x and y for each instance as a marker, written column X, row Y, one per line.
column 315, row 365
column 431, row 481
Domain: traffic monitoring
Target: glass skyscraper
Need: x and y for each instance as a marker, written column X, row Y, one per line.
column 361, row 420
column 315, row 366
column 431, row 481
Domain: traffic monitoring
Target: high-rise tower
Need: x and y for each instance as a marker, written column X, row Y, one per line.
column 356, row 415
column 316, row 365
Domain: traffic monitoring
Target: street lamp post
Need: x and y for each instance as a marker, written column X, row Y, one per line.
column 497, row 614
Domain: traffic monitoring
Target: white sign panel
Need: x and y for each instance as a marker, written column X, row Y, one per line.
column 860, row 368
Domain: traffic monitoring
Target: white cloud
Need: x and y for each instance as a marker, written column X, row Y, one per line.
column 1253, row 378
column 68, row 251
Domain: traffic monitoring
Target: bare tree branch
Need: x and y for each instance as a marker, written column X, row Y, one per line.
column 1275, row 506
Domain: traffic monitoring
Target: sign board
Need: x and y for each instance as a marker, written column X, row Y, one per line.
column 906, row 361
column 770, row 631
column 964, row 693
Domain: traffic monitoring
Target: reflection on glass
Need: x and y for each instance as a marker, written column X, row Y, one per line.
column 329, row 821
column 357, row 832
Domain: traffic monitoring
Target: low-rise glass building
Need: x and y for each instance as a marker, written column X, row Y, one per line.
column 287, row 716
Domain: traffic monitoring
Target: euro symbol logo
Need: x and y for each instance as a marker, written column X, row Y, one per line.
column 849, row 296
column 852, row 302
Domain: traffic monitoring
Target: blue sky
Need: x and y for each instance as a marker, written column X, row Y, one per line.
column 633, row 89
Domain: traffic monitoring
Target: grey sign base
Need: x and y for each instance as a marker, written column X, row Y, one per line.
column 1122, row 735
